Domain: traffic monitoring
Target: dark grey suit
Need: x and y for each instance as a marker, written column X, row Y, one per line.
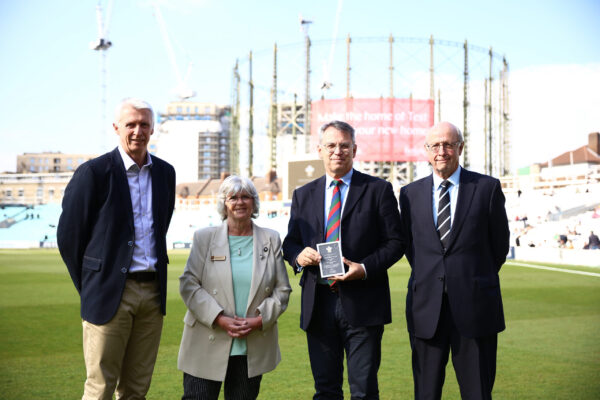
column 455, row 291
column 370, row 234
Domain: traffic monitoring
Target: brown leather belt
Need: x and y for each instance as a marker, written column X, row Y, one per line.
column 142, row 276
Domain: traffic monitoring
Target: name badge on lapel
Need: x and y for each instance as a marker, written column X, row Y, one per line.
column 218, row 258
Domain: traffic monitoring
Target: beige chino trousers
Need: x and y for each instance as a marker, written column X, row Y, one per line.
column 121, row 353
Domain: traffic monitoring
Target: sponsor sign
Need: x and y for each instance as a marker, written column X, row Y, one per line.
column 386, row 129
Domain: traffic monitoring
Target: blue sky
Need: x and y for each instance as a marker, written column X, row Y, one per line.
column 50, row 79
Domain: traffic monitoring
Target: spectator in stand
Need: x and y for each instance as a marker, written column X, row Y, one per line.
column 593, row 241
column 562, row 241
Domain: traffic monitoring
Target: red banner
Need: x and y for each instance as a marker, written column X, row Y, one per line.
column 386, row 129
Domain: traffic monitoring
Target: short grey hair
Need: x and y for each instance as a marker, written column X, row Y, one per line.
column 233, row 185
column 340, row 126
column 136, row 103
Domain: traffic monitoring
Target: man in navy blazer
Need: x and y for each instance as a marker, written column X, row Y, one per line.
column 112, row 237
column 348, row 316
column 455, row 249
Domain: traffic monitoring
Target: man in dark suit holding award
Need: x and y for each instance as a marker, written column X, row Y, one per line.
column 456, row 237
column 348, row 313
column 112, row 237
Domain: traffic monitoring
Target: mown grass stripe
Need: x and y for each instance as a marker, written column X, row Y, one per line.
column 569, row 271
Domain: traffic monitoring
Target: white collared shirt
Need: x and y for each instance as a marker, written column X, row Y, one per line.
column 140, row 189
column 455, row 179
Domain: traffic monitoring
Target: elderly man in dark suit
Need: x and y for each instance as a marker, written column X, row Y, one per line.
column 361, row 212
column 112, row 237
column 455, row 236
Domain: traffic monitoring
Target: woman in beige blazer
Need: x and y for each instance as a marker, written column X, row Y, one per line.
column 235, row 286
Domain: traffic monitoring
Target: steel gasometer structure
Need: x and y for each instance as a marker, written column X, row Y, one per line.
column 275, row 94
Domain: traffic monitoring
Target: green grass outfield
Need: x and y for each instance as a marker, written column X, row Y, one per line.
column 550, row 349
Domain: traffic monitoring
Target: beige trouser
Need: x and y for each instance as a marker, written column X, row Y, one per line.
column 123, row 351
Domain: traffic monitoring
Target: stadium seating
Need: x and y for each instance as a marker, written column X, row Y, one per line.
column 33, row 226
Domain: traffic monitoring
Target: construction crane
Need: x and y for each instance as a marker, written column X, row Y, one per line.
column 327, row 67
column 102, row 44
column 182, row 90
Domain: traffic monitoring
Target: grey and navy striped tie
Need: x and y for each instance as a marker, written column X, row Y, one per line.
column 444, row 215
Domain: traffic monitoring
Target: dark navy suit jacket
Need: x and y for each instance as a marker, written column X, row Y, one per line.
column 477, row 248
column 95, row 232
column 370, row 234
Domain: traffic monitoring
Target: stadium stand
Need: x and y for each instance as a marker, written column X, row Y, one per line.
column 29, row 226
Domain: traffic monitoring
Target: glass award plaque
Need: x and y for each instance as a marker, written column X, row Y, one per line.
column 331, row 259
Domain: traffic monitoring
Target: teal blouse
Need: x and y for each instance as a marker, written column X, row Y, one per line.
column 241, row 256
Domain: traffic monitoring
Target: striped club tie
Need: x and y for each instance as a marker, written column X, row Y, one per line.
column 335, row 210
column 443, row 216
column 333, row 221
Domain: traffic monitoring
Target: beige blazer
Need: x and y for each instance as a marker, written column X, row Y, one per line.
column 207, row 289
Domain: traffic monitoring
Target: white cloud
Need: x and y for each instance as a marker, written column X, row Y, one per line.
column 553, row 109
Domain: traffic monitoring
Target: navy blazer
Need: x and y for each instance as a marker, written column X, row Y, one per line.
column 95, row 232
column 477, row 248
column 370, row 234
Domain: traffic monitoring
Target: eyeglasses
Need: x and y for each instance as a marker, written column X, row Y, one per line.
column 434, row 148
column 234, row 199
column 344, row 147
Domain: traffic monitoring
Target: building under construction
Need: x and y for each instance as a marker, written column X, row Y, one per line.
column 195, row 138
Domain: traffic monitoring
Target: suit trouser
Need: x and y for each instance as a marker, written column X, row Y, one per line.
column 121, row 353
column 329, row 335
column 474, row 360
